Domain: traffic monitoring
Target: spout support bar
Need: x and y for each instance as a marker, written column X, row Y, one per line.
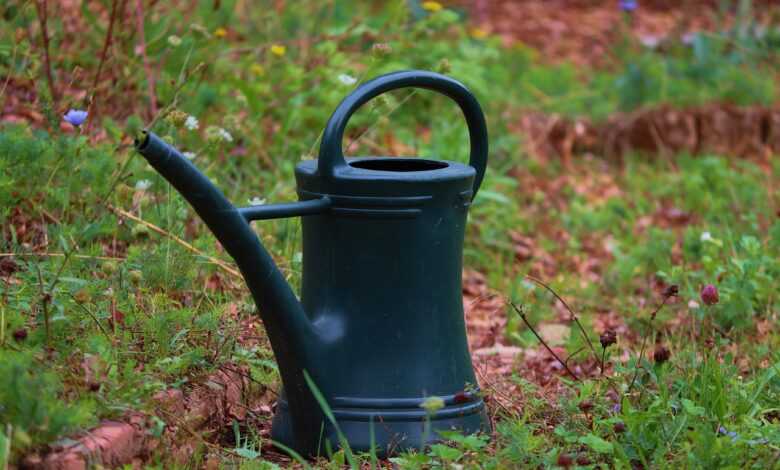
column 291, row 209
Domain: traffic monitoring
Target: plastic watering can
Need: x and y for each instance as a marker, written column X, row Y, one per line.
column 379, row 327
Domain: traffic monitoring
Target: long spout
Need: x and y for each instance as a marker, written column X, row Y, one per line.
column 289, row 329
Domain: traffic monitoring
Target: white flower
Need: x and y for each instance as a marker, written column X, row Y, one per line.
column 347, row 79
column 225, row 135
column 650, row 42
column 143, row 185
column 705, row 236
column 256, row 201
column 693, row 305
column 189, row 155
column 191, row 123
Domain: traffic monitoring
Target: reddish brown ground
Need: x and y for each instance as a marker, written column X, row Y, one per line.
column 584, row 31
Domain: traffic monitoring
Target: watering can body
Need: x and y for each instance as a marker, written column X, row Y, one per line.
column 379, row 328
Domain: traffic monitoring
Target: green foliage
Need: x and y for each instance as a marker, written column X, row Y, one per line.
column 40, row 417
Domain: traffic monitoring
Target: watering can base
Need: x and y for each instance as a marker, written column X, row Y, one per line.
column 394, row 430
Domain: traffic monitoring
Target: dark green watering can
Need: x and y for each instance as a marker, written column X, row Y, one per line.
column 379, row 327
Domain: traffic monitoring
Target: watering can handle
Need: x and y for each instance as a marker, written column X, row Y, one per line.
column 331, row 154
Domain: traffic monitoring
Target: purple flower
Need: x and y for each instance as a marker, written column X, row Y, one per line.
column 732, row 434
column 709, row 295
column 628, row 5
column 76, row 117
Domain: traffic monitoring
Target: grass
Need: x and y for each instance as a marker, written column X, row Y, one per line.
column 99, row 312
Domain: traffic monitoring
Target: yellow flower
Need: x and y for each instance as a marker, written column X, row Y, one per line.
column 278, row 50
column 432, row 6
column 220, row 32
column 478, row 33
column 257, row 69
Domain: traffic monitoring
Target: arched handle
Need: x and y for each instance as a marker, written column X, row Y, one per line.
column 331, row 155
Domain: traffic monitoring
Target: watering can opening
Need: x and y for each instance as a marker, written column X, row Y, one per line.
column 398, row 164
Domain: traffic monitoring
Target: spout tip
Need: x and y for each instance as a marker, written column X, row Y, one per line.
column 141, row 140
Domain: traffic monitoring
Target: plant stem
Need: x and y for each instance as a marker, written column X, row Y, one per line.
column 103, row 54
column 43, row 16
column 139, row 18
column 44, row 302
column 644, row 342
column 569, row 309
column 528, row 324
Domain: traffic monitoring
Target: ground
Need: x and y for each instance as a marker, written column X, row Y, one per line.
column 633, row 164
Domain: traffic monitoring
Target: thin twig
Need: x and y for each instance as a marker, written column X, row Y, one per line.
column 173, row 237
column 43, row 16
column 103, row 54
column 528, row 324
column 573, row 315
column 92, row 315
column 44, row 303
column 644, row 341
column 59, row 255
column 139, row 19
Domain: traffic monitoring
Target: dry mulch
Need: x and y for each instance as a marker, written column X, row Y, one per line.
column 749, row 131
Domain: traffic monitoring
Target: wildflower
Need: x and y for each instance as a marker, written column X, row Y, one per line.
column 136, row 276
column 671, row 291
column 143, row 185
column 176, row 118
column 478, row 33
column 693, row 305
column 220, row 32
column 200, row 30
column 628, row 5
column 218, row 134
column 191, row 123
column 278, row 50
column 225, row 135
column 586, row 406
column 257, row 69
column 347, row 79
column 463, row 397
column 432, row 404
column 650, row 41
column 174, row 40
column 661, row 354
column 619, row 427
column 705, row 236
column 189, row 155
column 709, row 295
column 256, row 201
column 20, row 334
column 732, row 434
column 433, row 7
column 75, row 117
column 381, row 49
column 565, row 460
column 688, row 38
column 608, row 338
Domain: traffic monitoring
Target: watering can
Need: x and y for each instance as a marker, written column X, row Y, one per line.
column 378, row 335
